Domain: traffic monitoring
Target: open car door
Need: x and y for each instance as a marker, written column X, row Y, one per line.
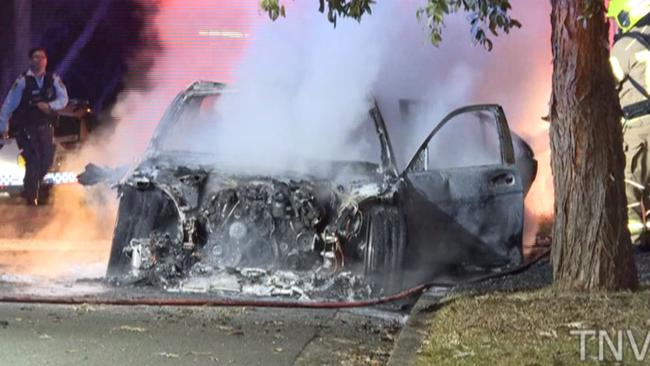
column 462, row 197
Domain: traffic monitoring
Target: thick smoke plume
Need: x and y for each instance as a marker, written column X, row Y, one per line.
column 303, row 88
column 303, row 91
column 69, row 238
column 72, row 236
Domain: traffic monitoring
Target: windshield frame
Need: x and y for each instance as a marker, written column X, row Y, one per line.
column 204, row 89
column 198, row 89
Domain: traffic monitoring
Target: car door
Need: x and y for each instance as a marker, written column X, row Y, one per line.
column 462, row 196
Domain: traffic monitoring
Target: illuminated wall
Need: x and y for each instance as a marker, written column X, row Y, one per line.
column 201, row 40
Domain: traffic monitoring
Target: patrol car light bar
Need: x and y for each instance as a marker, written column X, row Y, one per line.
column 54, row 178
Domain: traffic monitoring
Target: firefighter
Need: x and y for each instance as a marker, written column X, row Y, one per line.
column 32, row 103
column 630, row 56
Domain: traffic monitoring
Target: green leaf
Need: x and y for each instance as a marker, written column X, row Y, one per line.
column 485, row 16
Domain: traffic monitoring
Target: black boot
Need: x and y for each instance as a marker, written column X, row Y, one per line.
column 30, row 200
column 642, row 245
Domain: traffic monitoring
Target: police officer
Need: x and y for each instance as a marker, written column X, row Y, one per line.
column 32, row 103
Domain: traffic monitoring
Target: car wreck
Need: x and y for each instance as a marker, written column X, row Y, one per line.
column 186, row 222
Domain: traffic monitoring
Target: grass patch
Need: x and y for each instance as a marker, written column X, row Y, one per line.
column 532, row 328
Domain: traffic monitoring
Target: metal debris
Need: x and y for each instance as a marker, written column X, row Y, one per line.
column 309, row 285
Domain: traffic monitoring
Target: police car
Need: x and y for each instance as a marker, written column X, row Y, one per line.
column 70, row 131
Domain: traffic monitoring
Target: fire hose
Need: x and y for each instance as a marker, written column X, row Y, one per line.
column 224, row 302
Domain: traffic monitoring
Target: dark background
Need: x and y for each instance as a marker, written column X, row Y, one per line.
column 97, row 47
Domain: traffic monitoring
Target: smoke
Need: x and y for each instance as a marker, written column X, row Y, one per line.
column 71, row 237
column 303, row 87
column 516, row 75
column 303, row 90
column 203, row 40
column 68, row 238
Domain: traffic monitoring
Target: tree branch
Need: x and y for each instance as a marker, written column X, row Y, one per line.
column 84, row 37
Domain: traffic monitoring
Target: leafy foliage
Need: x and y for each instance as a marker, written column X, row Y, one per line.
column 485, row 16
column 273, row 8
column 354, row 9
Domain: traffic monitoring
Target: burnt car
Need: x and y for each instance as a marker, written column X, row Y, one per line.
column 184, row 213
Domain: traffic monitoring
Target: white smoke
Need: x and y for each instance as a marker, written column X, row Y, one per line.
column 303, row 91
column 304, row 88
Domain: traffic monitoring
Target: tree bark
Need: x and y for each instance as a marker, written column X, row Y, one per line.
column 86, row 35
column 591, row 242
column 5, row 64
column 22, row 35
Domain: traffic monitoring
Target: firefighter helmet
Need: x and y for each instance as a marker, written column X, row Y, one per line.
column 628, row 12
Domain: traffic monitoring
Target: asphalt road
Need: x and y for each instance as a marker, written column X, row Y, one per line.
column 44, row 251
column 110, row 335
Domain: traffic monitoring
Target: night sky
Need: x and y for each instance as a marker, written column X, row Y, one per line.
column 121, row 42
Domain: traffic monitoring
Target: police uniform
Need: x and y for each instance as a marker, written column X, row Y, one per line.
column 630, row 58
column 32, row 127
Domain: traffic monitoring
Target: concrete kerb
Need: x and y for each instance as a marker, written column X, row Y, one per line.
column 413, row 334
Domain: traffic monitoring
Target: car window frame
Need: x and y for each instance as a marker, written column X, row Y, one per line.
column 506, row 148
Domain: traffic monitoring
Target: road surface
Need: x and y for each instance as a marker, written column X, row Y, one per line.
column 46, row 250
column 110, row 335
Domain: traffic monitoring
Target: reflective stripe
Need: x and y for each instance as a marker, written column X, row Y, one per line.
column 635, row 184
column 14, row 180
column 637, row 227
column 60, row 178
column 617, row 68
column 11, row 180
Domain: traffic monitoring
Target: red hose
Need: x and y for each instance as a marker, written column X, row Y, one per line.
column 211, row 302
column 53, row 300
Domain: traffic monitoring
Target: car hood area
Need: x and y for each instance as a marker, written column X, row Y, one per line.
column 245, row 230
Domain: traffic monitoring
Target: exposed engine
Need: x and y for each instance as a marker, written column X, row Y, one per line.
column 203, row 224
column 265, row 224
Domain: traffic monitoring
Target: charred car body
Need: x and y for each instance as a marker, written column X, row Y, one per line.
column 183, row 214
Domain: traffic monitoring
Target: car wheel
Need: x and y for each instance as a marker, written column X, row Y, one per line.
column 385, row 247
column 140, row 212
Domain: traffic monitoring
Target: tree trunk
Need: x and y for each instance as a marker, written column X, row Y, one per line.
column 86, row 35
column 591, row 242
column 22, row 35
column 6, row 43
